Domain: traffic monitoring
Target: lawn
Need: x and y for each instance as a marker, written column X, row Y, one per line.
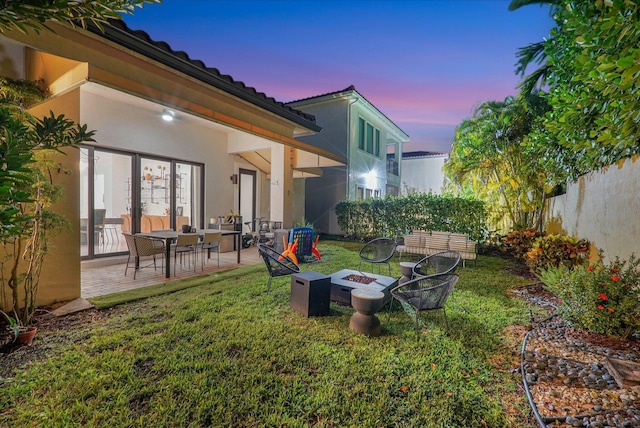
column 223, row 352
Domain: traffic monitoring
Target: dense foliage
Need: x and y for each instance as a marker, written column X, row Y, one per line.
column 604, row 298
column 26, row 15
column 394, row 216
column 592, row 69
column 490, row 156
column 518, row 243
column 554, row 250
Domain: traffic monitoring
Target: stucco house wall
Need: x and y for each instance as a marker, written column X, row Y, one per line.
column 338, row 114
column 118, row 83
column 422, row 173
column 602, row 207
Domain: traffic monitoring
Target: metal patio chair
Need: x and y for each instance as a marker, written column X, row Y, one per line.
column 439, row 263
column 378, row 251
column 276, row 264
column 425, row 293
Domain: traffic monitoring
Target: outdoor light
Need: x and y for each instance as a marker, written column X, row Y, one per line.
column 168, row 115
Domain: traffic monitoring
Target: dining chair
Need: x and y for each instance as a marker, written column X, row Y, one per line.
column 186, row 244
column 210, row 241
column 140, row 246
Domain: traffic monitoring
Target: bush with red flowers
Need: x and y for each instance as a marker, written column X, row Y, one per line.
column 604, row 298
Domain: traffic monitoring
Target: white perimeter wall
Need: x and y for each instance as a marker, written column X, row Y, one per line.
column 602, row 207
column 422, row 175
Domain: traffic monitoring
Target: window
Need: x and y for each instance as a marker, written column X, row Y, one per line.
column 360, row 193
column 368, row 137
column 361, row 125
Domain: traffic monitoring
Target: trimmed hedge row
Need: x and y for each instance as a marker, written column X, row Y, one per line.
column 394, row 216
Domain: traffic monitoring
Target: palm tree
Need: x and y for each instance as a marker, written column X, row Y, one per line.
column 534, row 52
column 489, row 155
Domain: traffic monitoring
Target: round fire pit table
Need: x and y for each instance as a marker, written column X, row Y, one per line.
column 406, row 269
column 366, row 303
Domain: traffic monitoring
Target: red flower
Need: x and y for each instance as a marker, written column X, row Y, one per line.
column 610, row 309
column 603, row 296
column 590, row 268
column 600, row 307
column 615, row 278
column 615, row 270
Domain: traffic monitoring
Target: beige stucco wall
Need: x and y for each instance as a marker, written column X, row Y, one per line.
column 60, row 278
column 602, row 207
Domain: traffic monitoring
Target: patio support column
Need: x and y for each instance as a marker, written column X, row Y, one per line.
column 281, row 203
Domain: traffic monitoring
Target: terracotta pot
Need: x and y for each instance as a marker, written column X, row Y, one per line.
column 26, row 335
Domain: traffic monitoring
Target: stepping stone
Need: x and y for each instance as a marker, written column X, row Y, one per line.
column 626, row 373
column 77, row 305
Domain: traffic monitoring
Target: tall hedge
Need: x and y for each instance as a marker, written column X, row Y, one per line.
column 395, row 216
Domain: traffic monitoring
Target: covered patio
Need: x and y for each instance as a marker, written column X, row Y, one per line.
column 106, row 275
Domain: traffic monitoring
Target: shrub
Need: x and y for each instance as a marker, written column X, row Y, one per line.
column 554, row 250
column 600, row 298
column 518, row 242
column 394, row 216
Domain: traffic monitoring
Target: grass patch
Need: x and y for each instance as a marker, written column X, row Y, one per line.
column 223, row 352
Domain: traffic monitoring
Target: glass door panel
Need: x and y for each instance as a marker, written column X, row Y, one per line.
column 188, row 185
column 104, row 201
column 111, row 201
column 155, row 195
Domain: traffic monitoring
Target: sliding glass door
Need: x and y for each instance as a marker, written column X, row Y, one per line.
column 125, row 192
column 104, row 201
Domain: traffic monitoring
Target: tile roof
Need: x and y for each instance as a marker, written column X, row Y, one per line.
column 422, row 154
column 349, row 88
column 139, row 41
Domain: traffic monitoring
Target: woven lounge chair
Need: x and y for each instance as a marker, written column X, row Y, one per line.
column 425, row 293
column 378, row 251
column 276, row 267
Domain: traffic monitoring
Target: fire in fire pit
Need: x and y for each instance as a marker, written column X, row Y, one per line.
column 360, row 279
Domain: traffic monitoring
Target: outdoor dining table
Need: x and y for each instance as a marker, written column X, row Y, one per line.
column 170, row 236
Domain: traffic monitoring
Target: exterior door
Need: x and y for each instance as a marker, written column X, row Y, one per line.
column 105, row 178
column 248, row 199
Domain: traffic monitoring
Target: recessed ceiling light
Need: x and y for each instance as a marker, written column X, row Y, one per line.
column 168, row 115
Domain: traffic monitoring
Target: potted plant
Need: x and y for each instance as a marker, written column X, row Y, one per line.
column 10, row 331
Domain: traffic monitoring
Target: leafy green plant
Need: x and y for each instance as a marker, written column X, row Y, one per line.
column 28, row 192
column 12, row 328
column 604, row 298
column 554, row 250
column 394, row 216
column 518, row 242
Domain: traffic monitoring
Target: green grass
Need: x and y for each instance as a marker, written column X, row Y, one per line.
column 223, row 352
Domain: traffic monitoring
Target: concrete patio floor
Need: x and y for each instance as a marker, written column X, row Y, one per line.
column 106, row 275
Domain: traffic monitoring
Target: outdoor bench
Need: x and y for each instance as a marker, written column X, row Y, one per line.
column 429, row 242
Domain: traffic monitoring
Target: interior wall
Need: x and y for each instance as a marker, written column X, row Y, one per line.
column 602, row 207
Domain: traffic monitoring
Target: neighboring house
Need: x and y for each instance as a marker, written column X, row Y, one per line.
column 228, row 147
column 354, row 129
column 422, row 172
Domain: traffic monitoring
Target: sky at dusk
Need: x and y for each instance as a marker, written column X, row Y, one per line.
column 424, row 63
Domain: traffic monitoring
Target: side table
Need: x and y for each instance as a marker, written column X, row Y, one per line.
column 406, row 269
column 366, row 303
